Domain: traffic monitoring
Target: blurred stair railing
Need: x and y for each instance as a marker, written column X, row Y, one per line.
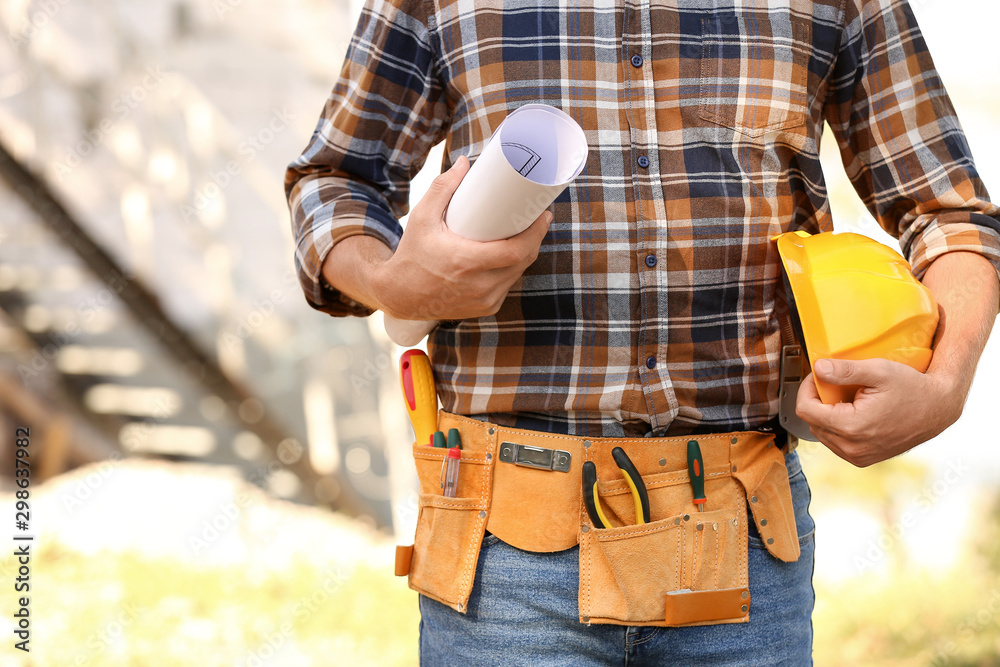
column 162, row 368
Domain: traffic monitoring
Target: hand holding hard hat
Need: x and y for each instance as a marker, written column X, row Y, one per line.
column 868, row 326
column 854, row 298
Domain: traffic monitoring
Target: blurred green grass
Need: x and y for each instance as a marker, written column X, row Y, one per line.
column 905, row 615
column 124, row 610
column 911, row 618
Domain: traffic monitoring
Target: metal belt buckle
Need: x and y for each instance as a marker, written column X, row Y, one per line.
column 535, row 457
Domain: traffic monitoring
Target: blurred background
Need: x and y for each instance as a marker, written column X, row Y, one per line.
column 219, row 473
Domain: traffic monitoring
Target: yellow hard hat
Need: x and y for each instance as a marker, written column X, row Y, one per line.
column 852, row 297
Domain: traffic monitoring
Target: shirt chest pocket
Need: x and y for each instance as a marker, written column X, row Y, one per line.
column 755, row 71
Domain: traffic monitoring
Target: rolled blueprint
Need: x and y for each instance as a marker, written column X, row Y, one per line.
column 535, row 153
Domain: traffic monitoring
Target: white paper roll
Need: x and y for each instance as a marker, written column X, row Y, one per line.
column 530, row 159
column 535, row 153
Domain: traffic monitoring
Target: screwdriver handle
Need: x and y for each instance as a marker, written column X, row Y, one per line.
column 696, row 472
column 419, row 394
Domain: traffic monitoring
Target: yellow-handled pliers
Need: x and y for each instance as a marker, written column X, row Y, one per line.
column 592, row 499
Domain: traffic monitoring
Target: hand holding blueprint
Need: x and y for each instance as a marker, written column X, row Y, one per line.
column 530, row 159
column 534, row 154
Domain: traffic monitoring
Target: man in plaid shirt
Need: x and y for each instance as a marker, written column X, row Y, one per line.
column 645, row 302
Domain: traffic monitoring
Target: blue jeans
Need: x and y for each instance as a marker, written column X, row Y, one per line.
column 523, row 611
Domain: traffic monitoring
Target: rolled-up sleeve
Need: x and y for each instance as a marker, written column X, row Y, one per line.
column 900, row 139
column 384, row 114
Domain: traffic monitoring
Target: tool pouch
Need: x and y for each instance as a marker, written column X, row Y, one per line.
column 685, row 567
column 442, row 561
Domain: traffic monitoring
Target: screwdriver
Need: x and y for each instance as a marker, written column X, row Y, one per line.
column 696, row 473
column 419, row 394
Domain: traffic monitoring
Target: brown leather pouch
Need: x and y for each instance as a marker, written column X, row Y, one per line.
column 683, row 568
column 449, row 531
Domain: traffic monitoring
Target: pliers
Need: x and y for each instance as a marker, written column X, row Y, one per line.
column 591, row 498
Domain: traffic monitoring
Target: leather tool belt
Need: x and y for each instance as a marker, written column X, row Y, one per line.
column 684, row 567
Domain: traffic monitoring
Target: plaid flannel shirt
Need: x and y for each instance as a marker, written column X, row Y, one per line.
column 653, row 307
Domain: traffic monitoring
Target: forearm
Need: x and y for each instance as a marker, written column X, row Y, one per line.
column 966, row 287
column 351, row 267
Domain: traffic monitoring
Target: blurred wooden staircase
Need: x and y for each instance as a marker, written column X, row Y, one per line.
column 125, row 365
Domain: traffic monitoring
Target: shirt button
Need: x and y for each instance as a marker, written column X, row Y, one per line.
column 650, row 261
column 651, row 362
column 643, row 161
column 637, row 60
